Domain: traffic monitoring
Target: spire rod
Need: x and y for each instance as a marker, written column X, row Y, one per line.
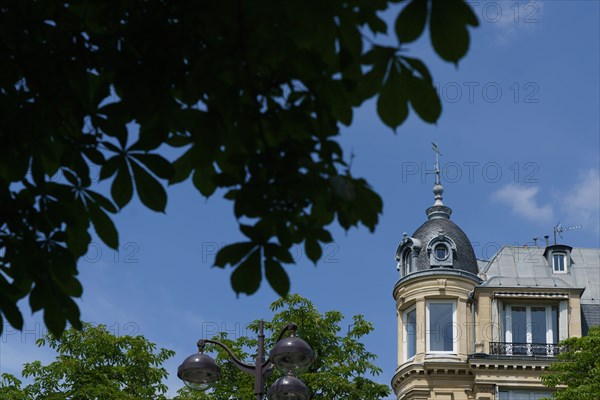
column 438, row 189
column 436, row 149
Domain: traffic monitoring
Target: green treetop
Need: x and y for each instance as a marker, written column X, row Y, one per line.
column 93, row 364
column 342, row 369
column 576, row 374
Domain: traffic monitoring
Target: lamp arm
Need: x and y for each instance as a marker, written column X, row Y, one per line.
column 289, row 327
column 242, row 366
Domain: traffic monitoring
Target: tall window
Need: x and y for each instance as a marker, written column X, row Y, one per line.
column 532, row 330
column 410, row 333
column 559, row 262
column 406, row 262
column 441, row 326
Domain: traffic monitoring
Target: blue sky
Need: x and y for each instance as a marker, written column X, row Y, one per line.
column 519, row 131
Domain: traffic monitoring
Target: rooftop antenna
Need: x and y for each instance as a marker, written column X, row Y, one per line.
column 558, row 228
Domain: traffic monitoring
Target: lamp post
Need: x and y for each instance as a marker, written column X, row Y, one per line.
column 290, row 355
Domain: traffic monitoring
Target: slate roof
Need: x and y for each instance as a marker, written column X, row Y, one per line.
column 590, row 316
column 465, row 256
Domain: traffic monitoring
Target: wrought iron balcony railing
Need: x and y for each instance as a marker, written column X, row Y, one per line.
column 524, row 349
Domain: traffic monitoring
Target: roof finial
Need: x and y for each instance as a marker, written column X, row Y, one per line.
column 438, row 210
column 438, row 190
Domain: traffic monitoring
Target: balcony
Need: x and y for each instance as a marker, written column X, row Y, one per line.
column 524, row 349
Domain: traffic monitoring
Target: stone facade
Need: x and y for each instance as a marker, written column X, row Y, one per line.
column 485, row 329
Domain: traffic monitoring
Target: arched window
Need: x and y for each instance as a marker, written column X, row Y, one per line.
column 406, row 262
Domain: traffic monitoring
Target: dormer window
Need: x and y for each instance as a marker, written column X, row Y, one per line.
column 405, row 255
column 558, row 257
column 441, row 251
column 559, row 262
column 405, row 264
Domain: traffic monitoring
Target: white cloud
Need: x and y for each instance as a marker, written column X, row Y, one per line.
column 578, row 204
column 581, row 203
column 523, row 202
column 509, row 19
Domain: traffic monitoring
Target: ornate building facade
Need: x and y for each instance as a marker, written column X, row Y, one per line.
column 472, row 329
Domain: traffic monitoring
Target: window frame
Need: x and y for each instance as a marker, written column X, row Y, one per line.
column 405, row 332
column 432, row 247
column 406, row 262
column 441, row 245
column 550, row 325
column 428, row 325
column 563, row 256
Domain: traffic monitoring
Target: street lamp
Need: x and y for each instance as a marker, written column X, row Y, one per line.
column 290, row 355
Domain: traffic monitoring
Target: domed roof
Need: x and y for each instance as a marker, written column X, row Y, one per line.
column 464, row 258
column 439, row 242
